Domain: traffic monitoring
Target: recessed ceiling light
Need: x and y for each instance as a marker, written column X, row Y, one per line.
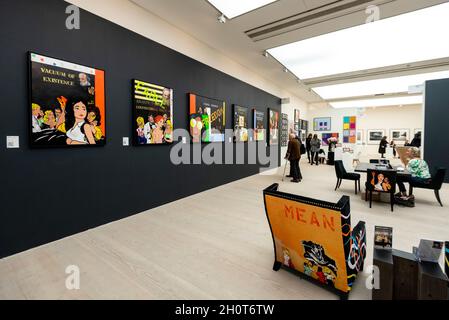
column 378, row 86
column 378, row 102
column 234, row 8
column 404, row 39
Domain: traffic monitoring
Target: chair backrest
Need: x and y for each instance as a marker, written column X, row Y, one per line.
column 381, row 181
column 309, row 236
column 339, row 169
column 438, row 178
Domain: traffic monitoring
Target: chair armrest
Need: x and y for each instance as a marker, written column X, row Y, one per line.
column 273, row 187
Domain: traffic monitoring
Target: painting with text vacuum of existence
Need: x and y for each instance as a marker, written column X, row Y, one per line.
column 67, row 103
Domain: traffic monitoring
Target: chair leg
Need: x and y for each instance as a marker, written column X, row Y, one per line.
column 411, row 190
column 341, row 180
column 370, row 199
column 366, row 195
column 277, row 266
column 437, row 194
column 355, row 187
column 338, row 184
column 360, row 189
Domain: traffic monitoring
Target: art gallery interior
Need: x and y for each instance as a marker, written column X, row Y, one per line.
column 150, row 150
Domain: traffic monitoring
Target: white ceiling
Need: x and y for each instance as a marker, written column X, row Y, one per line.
column 199, row 19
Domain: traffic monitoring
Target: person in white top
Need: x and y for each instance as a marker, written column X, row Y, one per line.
column 78, row 130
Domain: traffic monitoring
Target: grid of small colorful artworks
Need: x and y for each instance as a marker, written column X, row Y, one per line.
column 349, row 130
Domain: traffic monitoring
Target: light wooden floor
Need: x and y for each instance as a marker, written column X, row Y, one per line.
column 214, row 245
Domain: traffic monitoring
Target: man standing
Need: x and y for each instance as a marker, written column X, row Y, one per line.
column 294, row 155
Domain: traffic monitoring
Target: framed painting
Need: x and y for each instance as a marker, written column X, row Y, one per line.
column 305, row 126
column 297, row 116
column 326, row 136
column 152, row 114
column 322, row 124
column 360, row 137
column 258, row 126
column 402, row 135
column 284, row 130
column 240, row 124
column 375, row 136
column 273, row 125
column 207, row 119
column 67, row 103
column 350, row 130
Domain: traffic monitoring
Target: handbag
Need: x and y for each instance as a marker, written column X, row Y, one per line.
column 303, row 149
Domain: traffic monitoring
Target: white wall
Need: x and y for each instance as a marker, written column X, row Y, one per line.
column 387, row 118
column 134, row 18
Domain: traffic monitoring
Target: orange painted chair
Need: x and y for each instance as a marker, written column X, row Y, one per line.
column 314, row 239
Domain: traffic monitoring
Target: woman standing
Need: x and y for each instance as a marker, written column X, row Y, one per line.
column 309, row 147
column 315, row 145
column 383, row 147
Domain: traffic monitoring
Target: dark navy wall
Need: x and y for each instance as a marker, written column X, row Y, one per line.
column 48, row 194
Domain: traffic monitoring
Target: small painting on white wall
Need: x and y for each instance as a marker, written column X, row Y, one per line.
column 400, row 134
column 375, row 136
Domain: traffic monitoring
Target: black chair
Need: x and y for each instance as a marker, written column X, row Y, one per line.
column 381, row 181
column 343, row 175
column 435, row 184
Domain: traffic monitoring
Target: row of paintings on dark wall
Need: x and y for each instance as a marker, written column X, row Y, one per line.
column 68, row 107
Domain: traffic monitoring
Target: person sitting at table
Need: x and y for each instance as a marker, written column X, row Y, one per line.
column 419, row 172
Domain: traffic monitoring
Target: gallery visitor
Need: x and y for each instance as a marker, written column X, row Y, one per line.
column 322, row 156
column 301, row 152
column 293, row 156
column 315, row 145
column 419, row 171
column 393, row 146
column 309, row 147
column 416, row 142
column 383, row 147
